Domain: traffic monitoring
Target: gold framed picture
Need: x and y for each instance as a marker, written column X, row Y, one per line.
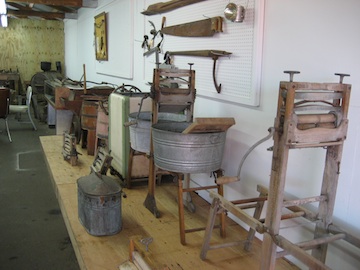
column 100, row 32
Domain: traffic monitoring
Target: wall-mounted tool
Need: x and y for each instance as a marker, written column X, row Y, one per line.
column 150, row 44
column 202, row 28
column 214, row 54
column 234, row 13
column 162, row 7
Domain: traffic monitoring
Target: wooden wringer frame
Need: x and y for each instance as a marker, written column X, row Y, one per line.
column 309, row 115
column 173, row 91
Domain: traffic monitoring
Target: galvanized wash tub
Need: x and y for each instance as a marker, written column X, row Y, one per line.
column 99, row 204
column 186, row 153
column 140, row 131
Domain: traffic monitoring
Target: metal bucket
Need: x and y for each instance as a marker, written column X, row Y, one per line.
column 186, row 153
column 140, row 132
column 99, row 204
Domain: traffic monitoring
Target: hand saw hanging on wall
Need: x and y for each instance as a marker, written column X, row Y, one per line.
column 162, row 7
column 203, row 28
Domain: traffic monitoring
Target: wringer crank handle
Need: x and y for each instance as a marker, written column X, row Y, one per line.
column 229, row 179
column 342, row 75
column 291, row 73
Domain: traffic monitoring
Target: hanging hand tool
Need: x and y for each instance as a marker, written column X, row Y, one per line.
column 150, row 44
column 214, row 54
column 151, row 48
column 145, row 43
column 203, row 28
column 162, row 7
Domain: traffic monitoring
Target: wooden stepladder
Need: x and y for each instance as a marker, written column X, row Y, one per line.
column 308, row 115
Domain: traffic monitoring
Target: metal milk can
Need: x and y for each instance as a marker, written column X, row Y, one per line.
column 99, row 204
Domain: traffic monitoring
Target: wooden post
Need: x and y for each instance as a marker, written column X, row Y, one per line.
column 277, row 179
column 84, row 70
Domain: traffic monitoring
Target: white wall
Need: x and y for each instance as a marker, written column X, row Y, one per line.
column 318, row 38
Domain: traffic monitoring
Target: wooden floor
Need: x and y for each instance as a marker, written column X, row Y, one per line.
column 108, row 252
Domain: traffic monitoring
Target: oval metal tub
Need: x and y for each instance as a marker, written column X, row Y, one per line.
column 140, row 132
column 186, row 153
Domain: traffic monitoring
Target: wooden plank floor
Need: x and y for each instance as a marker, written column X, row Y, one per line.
column 108, row 252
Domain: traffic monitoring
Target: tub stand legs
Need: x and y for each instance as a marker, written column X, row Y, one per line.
column 187, row 191
column 187, row 196
column 150, row 202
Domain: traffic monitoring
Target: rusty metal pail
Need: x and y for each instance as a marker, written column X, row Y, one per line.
column 99, row 204
column 187, row 153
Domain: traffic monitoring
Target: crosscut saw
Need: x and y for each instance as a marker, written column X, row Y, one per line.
column 203, row 28
column 162, row 7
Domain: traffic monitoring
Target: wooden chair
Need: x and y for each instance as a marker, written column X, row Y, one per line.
column 4, row 107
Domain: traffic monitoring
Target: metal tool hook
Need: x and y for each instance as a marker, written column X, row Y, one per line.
column 217, row 87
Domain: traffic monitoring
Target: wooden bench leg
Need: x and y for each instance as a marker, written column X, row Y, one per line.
column 257, row 213
column 220, row 190
column 209, row 228
column 191, row 207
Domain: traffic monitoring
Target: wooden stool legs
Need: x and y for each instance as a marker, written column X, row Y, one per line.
column 181, row 192
column 220, row 205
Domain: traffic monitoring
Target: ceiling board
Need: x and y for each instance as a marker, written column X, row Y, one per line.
column 47, row 9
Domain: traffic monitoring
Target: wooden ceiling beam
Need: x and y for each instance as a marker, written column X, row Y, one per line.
column 65, row 9
column 70, row 3
column 44, row 15
column 18, row 6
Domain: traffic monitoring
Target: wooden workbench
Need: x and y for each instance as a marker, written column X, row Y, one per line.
column 108, row 252
column 15, row 77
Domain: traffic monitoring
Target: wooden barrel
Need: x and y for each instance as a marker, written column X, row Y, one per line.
column 102, row 123
column 89, row 110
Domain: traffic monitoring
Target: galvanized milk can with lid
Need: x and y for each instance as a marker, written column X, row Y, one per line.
column 99, row 204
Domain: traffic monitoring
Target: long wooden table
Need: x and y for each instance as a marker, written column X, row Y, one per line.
column 108, row 252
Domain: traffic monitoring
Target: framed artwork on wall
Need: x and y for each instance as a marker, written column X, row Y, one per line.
column 100, row 33
column 120, row 63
